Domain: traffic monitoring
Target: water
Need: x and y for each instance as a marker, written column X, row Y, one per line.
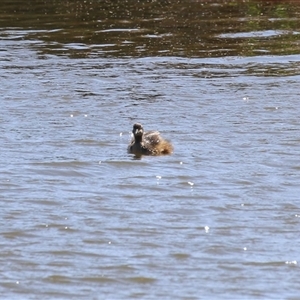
column 81, row 218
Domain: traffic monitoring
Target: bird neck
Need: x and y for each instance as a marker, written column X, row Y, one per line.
column 138, row 138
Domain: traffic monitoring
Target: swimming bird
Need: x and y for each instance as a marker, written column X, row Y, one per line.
column 148, row 143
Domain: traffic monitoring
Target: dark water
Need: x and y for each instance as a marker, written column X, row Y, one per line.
column 81, row 218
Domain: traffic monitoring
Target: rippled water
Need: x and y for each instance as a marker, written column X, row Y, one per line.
column 81, row 218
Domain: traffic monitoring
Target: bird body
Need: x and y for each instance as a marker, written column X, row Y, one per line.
column 148, row 143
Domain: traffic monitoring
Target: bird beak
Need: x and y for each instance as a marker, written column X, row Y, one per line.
column 137, row 131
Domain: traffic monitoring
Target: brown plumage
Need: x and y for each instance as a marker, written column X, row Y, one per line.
column 148, row 143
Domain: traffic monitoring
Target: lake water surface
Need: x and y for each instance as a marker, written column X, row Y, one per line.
column 83, row 219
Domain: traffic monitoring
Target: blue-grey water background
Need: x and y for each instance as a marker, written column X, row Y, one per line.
column 83, row 219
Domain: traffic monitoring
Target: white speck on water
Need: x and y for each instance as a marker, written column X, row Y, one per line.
column 242, row 204
column 181, row 162
column 158, row 178
column 71, row 116
column 293, row 262
column 206, row 228
column 66, row 227
column 100, row 162
column 121, row 133
column 85, row 116
column 17, row 282
column 245, row 248
column 109, row 242
column 246, row 98
column 190, row 183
